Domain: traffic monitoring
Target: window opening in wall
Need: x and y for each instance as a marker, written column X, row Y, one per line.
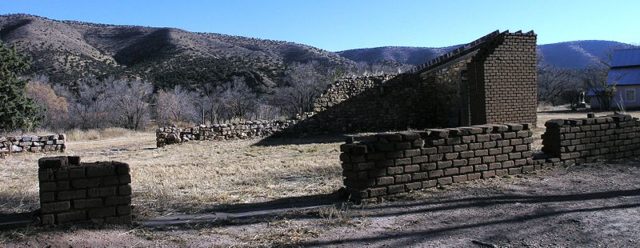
column 630, row 95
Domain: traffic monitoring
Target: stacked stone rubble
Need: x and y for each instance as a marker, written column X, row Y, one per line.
column 46, row 143
column 72, row 192
column 231, row 131
column 345, row 88
column 392, row 163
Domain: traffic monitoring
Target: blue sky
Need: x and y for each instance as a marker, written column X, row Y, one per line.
column 345, row 24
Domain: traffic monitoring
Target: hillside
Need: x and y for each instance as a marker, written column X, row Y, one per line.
column 68, row 50
column 572, row 54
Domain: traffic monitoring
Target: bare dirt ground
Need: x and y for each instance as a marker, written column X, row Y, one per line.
column 204, row 194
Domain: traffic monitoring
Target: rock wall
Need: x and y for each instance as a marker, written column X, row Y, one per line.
column 47, row 143
column 231, row 131
column 345, row 88
column 72, row 192
column 490, row 80
column 392, row 163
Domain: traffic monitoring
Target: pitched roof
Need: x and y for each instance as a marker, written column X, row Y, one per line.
column 626, row 58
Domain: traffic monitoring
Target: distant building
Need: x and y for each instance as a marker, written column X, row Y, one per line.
column 624, row 73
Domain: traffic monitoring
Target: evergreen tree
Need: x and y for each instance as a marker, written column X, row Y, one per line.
column 17, row 111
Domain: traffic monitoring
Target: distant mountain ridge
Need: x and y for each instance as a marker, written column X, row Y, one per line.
column 571, row 54
column 69, row 50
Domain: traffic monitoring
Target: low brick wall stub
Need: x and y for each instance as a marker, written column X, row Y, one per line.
column 589, row 139
column 393, row 163
column 74, row 192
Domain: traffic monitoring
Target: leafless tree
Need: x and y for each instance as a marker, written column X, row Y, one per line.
column 304, row 84
column 238, row 99
column 54, row 108
column 130, row 102
column 553, row 83
column 176, row 106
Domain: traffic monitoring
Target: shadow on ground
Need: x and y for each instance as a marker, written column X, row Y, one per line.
column 278, row 140
column 303, row 208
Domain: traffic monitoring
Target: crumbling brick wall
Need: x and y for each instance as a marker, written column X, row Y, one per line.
column 72, row 192
column 392, row 163
column 31, row 143
column 589, row 139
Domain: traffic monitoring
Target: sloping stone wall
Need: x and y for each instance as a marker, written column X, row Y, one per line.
column 46, row 143
column 491, row 80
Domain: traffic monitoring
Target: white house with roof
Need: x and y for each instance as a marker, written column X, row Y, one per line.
column 624, row 74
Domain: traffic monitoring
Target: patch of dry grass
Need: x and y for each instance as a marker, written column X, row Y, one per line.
column 190, row 177
column 195, row 176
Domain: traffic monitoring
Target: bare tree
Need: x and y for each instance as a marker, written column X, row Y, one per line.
column 176, row 106
column 554, row 83
column 130, row 102
column 54, row 108
column 304, row 84
column 238, row 99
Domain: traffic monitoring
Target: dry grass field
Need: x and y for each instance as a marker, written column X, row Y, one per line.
column 195, row 177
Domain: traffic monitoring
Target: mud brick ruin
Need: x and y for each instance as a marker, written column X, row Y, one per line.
column 73, row 192
column 47, row 143
column 490, row 80
column 392, row 163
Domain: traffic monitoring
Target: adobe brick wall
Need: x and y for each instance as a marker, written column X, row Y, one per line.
column 502, row 81
column 30, row 143
column 230, row 131
column 72, row 192
column 392, row 163
column 590, row 139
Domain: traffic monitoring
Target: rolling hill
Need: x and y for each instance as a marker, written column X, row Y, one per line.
column 571, row 54
column 69, row 50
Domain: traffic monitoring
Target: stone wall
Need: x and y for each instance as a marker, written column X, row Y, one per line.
column 345, row 88
column 231, row 131
column 392, row 163
column 490, row 80
column 590, row 139
column 72, row 192
column 47, row 143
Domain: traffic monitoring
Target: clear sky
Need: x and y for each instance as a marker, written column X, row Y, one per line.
column 345, row 24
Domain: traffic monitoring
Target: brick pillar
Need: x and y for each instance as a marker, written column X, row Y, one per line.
column 72, row 192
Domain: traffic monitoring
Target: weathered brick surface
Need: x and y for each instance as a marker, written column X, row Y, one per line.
column 590, row 139
column 71, row 191
column 403, row 168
